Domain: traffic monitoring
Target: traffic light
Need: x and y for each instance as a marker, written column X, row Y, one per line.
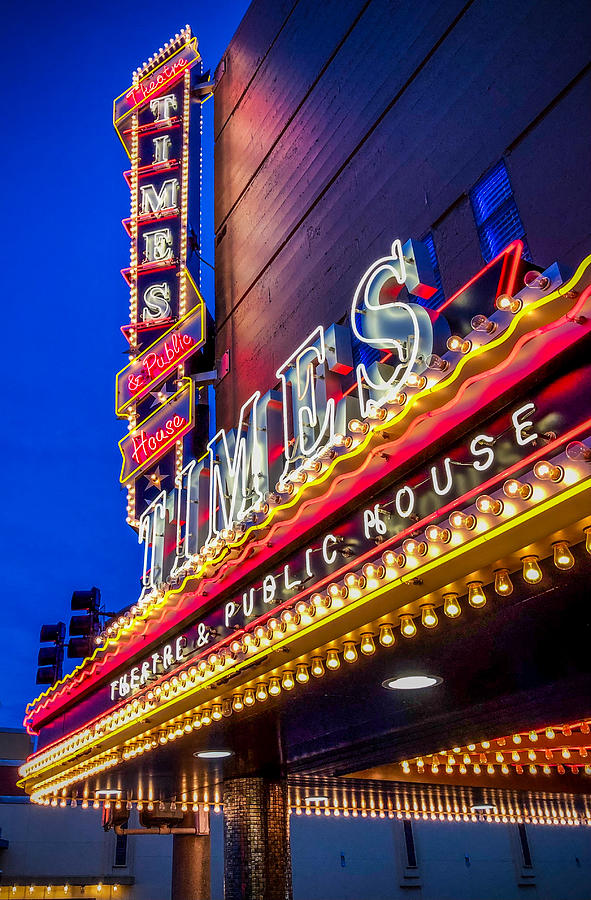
column 84, row 628
column 51, row 659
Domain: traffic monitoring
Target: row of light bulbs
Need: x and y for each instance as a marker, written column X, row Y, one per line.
column 169, row 47
column 485, row 757
column 287, row 680
column 425, row 816
column 49, row 888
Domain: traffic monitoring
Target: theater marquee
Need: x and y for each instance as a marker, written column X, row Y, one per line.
column 405, row 463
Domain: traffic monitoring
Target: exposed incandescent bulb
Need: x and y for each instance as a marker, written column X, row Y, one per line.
column 349, row 651
column 476, row 595
column 489, row 506
column 367, row 645
column 514, row 488
column 332, row 659
column 587, row 533
column 451, row 606
column 503, row 583
column 508, row 303
column 545, row 471
column 302, row 675
column 577, row 450
column 563, row 558
column 261, row 692
column 437, row 535
column 436, row 363
column 531, row 569
column 274, row 686
column 481, row 323
column 249, row 697
column 458, row 345
column 429, row 616
column 287, row 681
column 317, row 667
column 386, row 635
column 407, row 626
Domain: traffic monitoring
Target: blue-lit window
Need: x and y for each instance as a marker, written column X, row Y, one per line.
column 496, row 214
column 437, row 298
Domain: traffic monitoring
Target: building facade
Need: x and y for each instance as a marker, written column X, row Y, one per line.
column 397, row 495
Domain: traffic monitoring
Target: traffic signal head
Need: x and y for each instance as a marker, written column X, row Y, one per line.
column 83, row 628
column 50, row 659
column 89, row 600
column 53, row 633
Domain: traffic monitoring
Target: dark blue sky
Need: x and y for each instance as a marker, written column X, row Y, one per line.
column 63, row 199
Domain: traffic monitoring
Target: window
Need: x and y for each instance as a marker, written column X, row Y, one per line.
column 120, row 858
column 495, row 212
column 409, row 843
column 524, row 844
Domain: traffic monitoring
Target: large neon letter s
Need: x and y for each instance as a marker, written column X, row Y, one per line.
column 403, row 329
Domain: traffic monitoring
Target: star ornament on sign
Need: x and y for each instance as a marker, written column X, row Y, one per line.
column 160, row 396
column 155, row 478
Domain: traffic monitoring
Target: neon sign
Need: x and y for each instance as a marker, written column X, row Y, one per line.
column 154, row 82
column 160, row 359
column 151, row 438
column 558, row 314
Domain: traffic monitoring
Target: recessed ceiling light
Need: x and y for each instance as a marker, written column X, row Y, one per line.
column 316, row 798
column 213, row 754
column 411, row 682
column 107, row 792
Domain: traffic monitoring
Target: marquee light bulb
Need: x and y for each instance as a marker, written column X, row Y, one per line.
column 461, row 520
column 394, row 560
column 358, row 427
column 416, row 381
column 367, row 645
column 428, row 616
column 514, row 488
column 287, row 681
column 481, row 323
column 488, row 505
column 458, row 345
column 451, row 606
column 237, row 703
column 503, row 583
column 476, row 595
column 413, row 547
column 261, row 692
column 386, row 635
column 587, row 533
column 536, row 280
column 373, row 574
column 437, row 535
column 563, row 558
column 302, row 675
column 317, row 667
column 249, row 697
column 349, row 651
column 332, row 659
column 407, row 626
column 506, row 302
column 216, row 712
column 577, row 450
column 274, row 686
column 437, row 364
column 531, row 569
column 545, row 471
